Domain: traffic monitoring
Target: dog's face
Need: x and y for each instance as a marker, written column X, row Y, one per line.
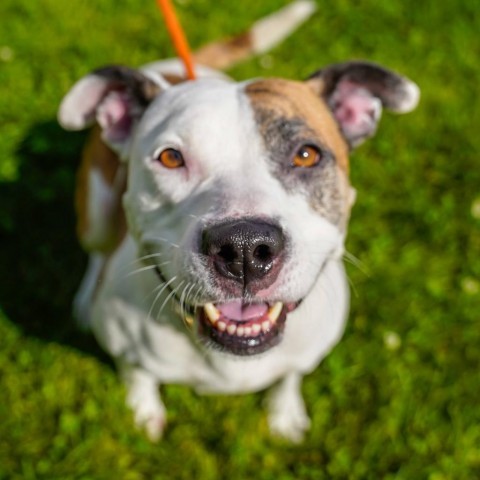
column 239, row 193
column 245, row 194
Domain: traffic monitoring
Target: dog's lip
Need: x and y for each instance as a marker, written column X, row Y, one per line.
column 242, row 318
column 244, row 328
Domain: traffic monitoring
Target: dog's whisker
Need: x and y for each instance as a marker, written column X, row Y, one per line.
column 169, row 296
column 347, row 257
column 142, row 258
column 187, row 296
column 147, row 268
column 155, row 290
column 356, row 262
column 167, row 241
column 162, row 289
column 352, row 285
column 185, row 299
column 197, row 295
column 182, row 302
column 150, row 255
column 139, row 270
column 177, row 246
column 182, row 305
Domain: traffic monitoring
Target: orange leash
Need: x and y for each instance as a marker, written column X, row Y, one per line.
column 177, row 36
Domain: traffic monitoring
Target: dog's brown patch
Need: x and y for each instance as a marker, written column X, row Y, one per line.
column 98, row 156
column 173, row 79
column 290, row 100
column 290, row 114
column 221, row 55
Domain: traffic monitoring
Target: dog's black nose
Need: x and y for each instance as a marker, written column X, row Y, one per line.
column 245, row 250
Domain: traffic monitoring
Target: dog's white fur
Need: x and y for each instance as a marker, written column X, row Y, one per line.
column 227, row 175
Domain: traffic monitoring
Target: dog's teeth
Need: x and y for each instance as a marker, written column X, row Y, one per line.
column 222, row 326
column 231, row 329
column 212, row 313
column 240, row 331
column 256, row 329
column 248, row 331
column 266, row 326
column 189, row 320
column 274, row 312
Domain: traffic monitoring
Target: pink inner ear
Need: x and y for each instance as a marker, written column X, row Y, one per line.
column 114, row 116
column 356, row 110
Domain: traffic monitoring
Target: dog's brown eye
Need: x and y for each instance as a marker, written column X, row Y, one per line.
column 171, row 158
column 307, row 156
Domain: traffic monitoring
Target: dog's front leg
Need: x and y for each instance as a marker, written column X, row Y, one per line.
column 287, row 416
column 82, row 303
column 143, row 397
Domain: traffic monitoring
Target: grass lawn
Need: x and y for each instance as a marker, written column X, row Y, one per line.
column 397, row 399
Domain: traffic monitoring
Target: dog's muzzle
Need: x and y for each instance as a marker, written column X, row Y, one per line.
column 243, row 257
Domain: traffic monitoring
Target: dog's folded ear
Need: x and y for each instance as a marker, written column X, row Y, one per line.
column 357, row 91
column 115, row 97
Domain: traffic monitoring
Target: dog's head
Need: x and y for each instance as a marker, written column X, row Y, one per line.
column 238, row 192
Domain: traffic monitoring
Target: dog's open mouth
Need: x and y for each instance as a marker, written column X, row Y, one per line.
column 238, row 326
column 244, row 328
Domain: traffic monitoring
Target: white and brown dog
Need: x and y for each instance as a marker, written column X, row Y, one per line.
column 216, row 219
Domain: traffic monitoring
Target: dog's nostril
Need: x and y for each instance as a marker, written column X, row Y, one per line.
column 263, row 253
column 228, row 253
column 229, row 260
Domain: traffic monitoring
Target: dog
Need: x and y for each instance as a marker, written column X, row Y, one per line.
column 215, row 215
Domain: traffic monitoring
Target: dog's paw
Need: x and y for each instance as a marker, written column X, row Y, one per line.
column 287, row 416
column 144, row 399
column 150, row 416
column 152, row 421
column 289, row 423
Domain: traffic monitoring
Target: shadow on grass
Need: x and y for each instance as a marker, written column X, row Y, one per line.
column 40, row 258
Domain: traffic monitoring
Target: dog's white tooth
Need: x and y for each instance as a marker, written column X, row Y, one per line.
column 240, row 331
column 231, row 329
column 274, row 311
column 222, row 326
column 189, row 320
column 212, row 313
column 256, row 329
column 266, row 325
column 248, row 331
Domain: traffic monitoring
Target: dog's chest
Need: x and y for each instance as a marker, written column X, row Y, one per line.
column 174, row 359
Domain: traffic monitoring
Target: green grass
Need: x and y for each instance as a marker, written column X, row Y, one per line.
column 397, row 399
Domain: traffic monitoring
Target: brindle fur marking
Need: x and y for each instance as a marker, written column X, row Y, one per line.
column 290, row 115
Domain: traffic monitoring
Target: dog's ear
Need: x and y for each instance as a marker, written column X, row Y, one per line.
column 356, row 93
column 115, row 97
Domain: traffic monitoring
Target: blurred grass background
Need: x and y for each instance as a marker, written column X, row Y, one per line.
column 397, row 399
